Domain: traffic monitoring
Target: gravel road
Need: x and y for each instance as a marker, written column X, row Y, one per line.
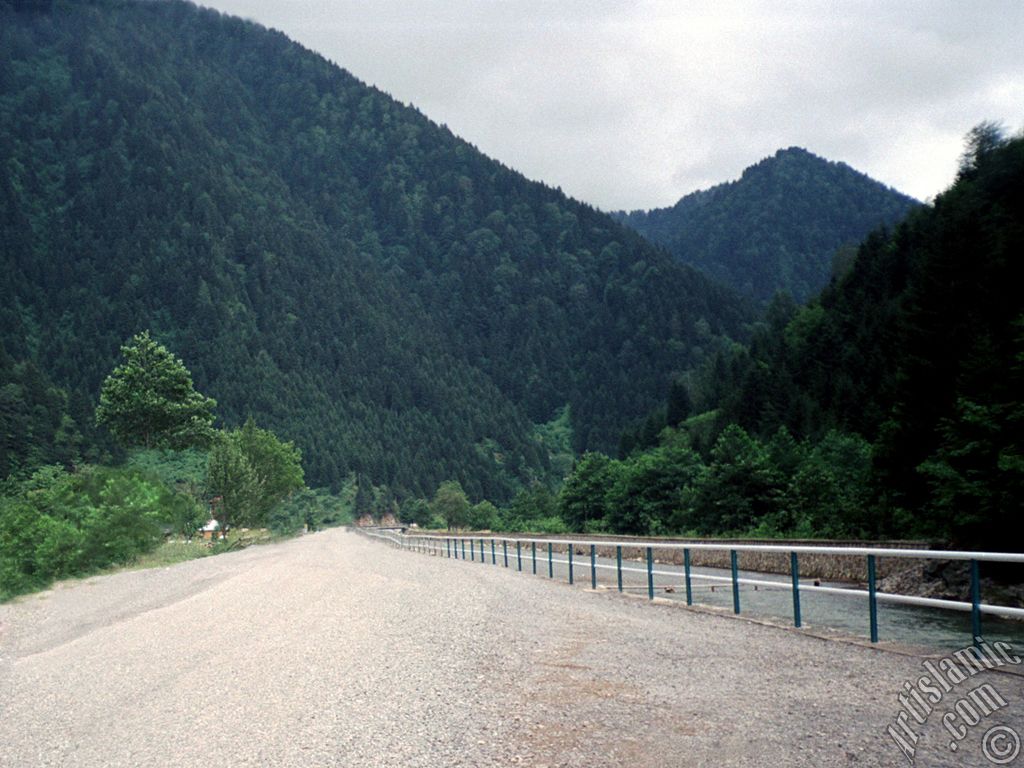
column 333, row 649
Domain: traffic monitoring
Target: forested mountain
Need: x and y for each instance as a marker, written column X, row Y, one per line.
column 40, row 423
column 890, row 405
column 320, row 256
column 777, row 228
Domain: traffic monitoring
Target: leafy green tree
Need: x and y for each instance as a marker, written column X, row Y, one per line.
column 252, row 470
column 56, row 524
column 739, row 486
column 277, row 464
column 650, row 493
column 583, row 498
column 830, row 493
column 533, row 508
column 149, row 399
column 450, row 504
column 416, row 510
column 483, row 516
column 232, row 483
column 21, row 528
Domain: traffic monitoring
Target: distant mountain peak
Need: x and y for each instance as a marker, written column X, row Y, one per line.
column 776, row 228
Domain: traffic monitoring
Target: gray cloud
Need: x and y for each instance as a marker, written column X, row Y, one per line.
column 633, row 104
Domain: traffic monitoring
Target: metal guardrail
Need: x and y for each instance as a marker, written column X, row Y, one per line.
column 455, row 547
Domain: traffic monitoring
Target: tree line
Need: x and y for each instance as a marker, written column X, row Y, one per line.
column 62, row 516
column 889, row 406
column 743, row 487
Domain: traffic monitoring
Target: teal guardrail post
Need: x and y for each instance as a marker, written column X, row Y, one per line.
column 735, row 581
column 593, row 567
column 650, row 573
column 686, row 576
column 472, row 550
column 551, row 563
column 618, row 565
column 571, row 574
column 448, row 546
column 504, row 551
column 976, row 605
column 872, row 599
column 533, row 556
column 519, row 556
column 483, row 556
column 794, row 568
column 494, row 557
column 463, row 549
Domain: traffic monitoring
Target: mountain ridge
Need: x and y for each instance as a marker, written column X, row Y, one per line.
column 321, row 257
column 778, row 226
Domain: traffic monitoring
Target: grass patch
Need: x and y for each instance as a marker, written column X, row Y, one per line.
column 167, row 554
column 170, row 553
column 173, row 552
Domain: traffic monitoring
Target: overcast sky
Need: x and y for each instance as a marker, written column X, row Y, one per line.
column 634, row 104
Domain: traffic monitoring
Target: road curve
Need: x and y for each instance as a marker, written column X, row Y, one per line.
column 334, row 650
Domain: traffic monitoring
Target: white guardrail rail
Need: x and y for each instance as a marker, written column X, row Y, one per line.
column 474, row 547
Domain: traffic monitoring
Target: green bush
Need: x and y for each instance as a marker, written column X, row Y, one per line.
column 57, row 524
column 312, row 508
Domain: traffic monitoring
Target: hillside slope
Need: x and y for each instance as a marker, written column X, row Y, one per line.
column 778, row 227
column 321, row 257
column 920, row 349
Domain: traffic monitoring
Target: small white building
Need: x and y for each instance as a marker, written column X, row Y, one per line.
column 211, row 530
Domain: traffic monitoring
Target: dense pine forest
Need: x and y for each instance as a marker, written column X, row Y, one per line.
column 888, row 406
column 418, row 330
column 788, row 224
column 322, row 257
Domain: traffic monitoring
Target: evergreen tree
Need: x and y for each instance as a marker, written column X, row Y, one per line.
column 149, row 399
